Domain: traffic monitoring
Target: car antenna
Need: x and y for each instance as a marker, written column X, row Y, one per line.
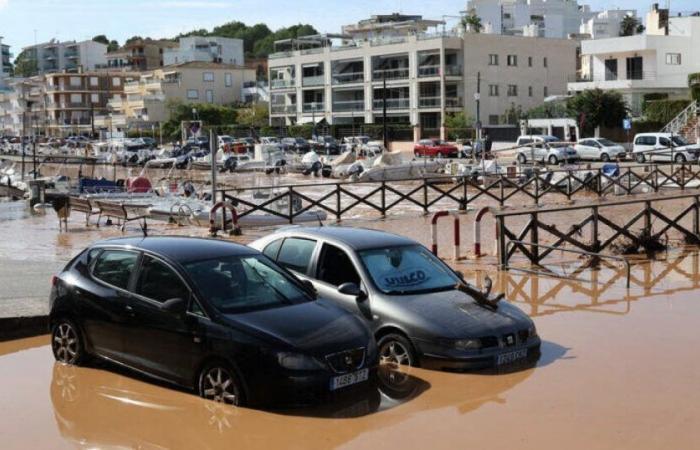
column 320, row 222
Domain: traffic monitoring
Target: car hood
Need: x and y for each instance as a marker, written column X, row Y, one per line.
column 315, row 328
column 688, row 148
column 454, row 314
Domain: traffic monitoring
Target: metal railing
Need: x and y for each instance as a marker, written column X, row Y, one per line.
column 682, row 119
column 316, row 80
column 389, row 74
column 281, row 84
column 392, row 103
column 282, row 109
column 313, row 107
column 429, row 71
column 346, row 78
column 429, row 102
column 349, row 105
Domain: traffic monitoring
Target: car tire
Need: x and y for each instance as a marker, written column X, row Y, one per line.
column 67, row 343
column 396, row 350
column 605, row 157
column 553, row 160
column 522, row 159
column 218, row 382
column 640, row 158
column 680, row 158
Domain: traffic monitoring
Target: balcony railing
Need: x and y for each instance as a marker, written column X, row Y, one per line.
column 283, row 109
column 313, row 107
column 348, row 105
column 453, row 70
column 454, row 102
column 345, row 78
column 392, row 103
column 316, row 80
column 429, row 71
column 390, row 74
column 281, row 84
column 429, row 102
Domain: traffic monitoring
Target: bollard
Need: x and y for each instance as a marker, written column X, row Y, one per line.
column 455, row 233
column 236, row 231
column 477, row 230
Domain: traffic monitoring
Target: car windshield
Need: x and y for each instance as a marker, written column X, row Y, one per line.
column 678, row 141
column 606, row 143
column 239, row 284
column 550, row 139
column 407, row 270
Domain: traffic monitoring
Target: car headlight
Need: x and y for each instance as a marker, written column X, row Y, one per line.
column 297, row 361
column 532, row 331
column 467, row 344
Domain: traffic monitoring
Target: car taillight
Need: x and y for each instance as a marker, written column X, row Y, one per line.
column 54, row 280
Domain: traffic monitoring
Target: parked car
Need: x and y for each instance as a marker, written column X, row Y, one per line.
column 421, row 311
column 201, row 142
column 327, row 145
column 209, row 315
column 599, row 149
column 435, row 148
column 296, row 144
column 664, row 147
column 150, row 142
column 543, row 148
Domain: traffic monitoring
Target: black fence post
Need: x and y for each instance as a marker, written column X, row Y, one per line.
column 595, row 242
column 383, row 198
column 501, row 240
column 425, row 196
column 291, row 204
column 534, row 238
column 337, row 202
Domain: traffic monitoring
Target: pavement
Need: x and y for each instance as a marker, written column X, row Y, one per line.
column 26, row 286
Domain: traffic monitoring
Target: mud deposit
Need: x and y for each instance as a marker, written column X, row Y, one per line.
column 618, row 370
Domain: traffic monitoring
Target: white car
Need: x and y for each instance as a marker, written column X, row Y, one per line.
column 664, row 147
column 599, row 149
column 543, row 148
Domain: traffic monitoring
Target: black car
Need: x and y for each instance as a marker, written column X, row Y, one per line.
column 296, row 144
column 209, row 315
column 421, row 311
column 326, row 145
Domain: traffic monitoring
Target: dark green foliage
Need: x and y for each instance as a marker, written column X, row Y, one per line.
column 694, row 84
column 210, row 115
column 664, row 111
column 595, row 108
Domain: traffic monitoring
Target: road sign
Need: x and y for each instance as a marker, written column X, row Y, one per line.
column 627, row 124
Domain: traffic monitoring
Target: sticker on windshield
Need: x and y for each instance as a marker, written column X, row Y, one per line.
column 404, row 278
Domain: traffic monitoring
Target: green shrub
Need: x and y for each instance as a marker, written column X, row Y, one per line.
column 694, row 84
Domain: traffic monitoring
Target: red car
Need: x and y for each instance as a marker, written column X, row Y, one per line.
column 434, row 148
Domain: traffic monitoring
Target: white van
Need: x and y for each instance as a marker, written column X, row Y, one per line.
column 663, row 147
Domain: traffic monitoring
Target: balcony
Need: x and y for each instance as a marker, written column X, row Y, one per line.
column 347, row 78
column 454, row 102
column 282, row 84
column 283, row 109
column 348, row 105
column 429, row 71
column 390, row 74
column 641, row 79
column 453, row 71
column 313, row 107
column 429, row 102
column 317, row 80
column 392, row 103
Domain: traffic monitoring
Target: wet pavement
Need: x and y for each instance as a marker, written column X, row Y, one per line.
column 618, row 371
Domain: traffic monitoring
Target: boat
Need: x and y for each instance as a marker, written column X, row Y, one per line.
column 391, row 166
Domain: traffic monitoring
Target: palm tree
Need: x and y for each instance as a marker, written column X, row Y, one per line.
column 630, row 26
column 472, row 22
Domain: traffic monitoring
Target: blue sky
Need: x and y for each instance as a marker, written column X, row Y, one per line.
column 120, row 19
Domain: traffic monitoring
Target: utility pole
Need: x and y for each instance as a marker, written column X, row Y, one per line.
column 386, row 140
column 477, row 97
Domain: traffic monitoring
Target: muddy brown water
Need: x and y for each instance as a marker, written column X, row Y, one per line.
column 618, row 371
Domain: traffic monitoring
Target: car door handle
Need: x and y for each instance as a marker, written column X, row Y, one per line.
column 130, row 310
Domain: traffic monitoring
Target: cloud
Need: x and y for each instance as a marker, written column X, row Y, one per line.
column 186, row 4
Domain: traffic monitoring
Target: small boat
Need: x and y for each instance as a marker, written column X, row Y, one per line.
column 391, row 166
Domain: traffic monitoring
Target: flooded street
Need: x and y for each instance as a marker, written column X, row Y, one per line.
column 616, row 371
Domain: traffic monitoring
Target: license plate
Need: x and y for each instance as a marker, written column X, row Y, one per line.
column 349, row 379
column 506, row 358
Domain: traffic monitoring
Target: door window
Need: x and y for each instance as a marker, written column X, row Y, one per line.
column 158, row 282
column 335, row 267
column 115, row 267
column 295, row 254
column 272, row 249
column 664, row 142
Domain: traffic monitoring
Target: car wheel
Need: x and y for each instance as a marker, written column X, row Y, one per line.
column 680, row 158
column 640, row 158
column 66, row 343
column 219, row 383
column 605, row 157
column 522, row 159
column 395, row 350
column 553, row 160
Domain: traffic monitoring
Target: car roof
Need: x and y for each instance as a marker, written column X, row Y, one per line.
column 355, row 238
column 181, row 249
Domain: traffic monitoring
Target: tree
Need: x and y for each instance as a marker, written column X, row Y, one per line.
column 210, row 115
column 595, row 107
column 133, row 39
column 513, row 114
column 254, row 116
column 630, row 26
column 459, row 125
column 472, row 22
column 25, row 65
column 111, row 45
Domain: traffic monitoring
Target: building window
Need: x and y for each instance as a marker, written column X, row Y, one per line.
column 513, row 60
column 529, row 61
column 493, row 60
column 192, row 94
column 493, row 119
column 95, row 98
column 76, row 99
column 493, row 90
column 544, row 61
column 75, row 81
column 512, row 90
column 635, row 68
column 546, row 92
column 610, row 69
column 94, row 81
column 673, row 59
column 210, row 96
column 208, row 76
column 116, row 82
column 228, row 79
column 529, row 91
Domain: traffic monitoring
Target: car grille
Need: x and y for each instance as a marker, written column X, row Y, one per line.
column 506, row 340
column 523, row 335
column 346, row 361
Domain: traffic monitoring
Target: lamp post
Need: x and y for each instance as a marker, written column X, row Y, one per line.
column 34, row 121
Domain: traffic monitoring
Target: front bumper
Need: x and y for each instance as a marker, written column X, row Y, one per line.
column 480, row 359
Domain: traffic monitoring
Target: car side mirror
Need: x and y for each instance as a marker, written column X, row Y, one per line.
column 175, row 306
column 353, row 290
column 309, row 286
column 460, row 274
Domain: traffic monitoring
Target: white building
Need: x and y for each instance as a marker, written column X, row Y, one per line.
column 55, row 56
column 542, row 18
column 5, row 57
column 605, row 24
column 658, row 61
column 206, row 49
column 427, row 76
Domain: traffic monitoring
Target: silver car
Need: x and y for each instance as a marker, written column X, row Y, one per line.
column 422, row 312
column 543, row 148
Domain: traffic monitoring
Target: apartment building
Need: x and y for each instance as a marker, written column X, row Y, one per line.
column 139, row 55
column 540, row 18
column 605, row 24
column 55, row 56
column 145, row 98
column 5, row 65
column 206, row 49
column 422, row 76
column 657, row 61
